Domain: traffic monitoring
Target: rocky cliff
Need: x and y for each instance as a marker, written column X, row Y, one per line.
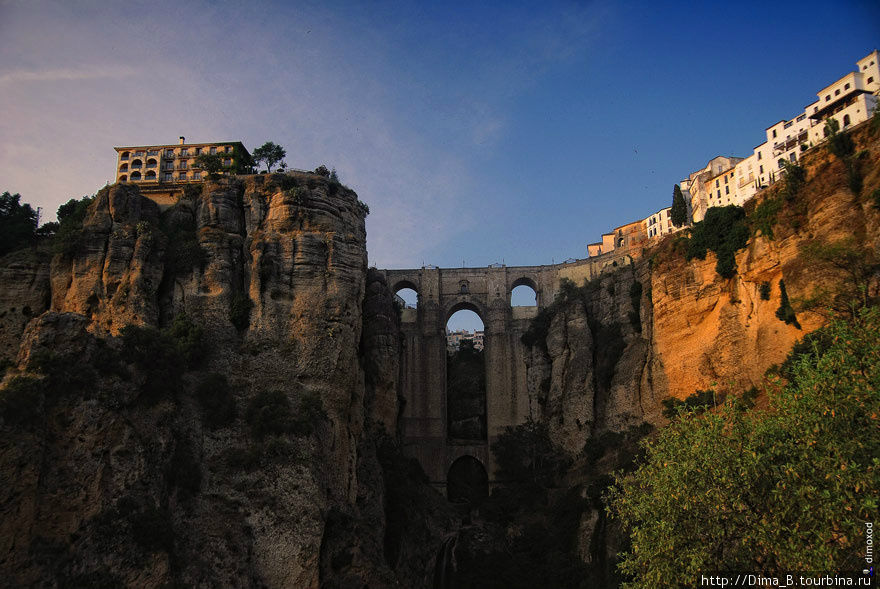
column 133, row 460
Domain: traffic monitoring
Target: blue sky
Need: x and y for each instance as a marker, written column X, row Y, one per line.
column 476, row 132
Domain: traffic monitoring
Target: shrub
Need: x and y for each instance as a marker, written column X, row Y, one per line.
column 789, row 487
column 215, row 396
column 785, row 312
column 795, row 178
column 764, row 291
column 310, row 410
column 698, row 402
column 183, row 252
column 21, row 400
column 152, row 530
column 71, row 216
column 875, row 196
column 269, row 412
column 240, row 311
column 18, row 222
column 764, row 216
column 723, row 231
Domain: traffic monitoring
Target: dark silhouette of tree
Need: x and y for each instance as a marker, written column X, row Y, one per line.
column 679, row 212
column 269, row 153
column 18, row 222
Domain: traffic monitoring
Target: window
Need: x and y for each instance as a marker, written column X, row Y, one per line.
column 719, row 194
column 727, row 190
column 792, row 156
column 781, row 163
column 213, row 151
column 788, row 124
column 166, row 177
column 801, row 118
column 871, row 79
column 198, row 150
column 827, row 98
column 197, row 175
column 138, row 154
column 123, row 168
column 717, row 183
column 153, row 152
column 815, row 109
column 846, row 86
column 182, row 176
column 774, row 133
column 227, row 162
column 845, row 120
column 169, row 153
column 184, row 151
column 183, row 164
column 759, row 155
column 124, row 155
column 760, row 169
column 123, row 178
column 725, row 179
column 227, row 149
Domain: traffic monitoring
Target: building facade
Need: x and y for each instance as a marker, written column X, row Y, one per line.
column 454, row 339
column 173, row 164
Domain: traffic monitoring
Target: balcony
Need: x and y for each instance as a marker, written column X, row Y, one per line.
column 151, row 165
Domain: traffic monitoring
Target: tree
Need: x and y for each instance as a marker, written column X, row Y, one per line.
column 678, row 213
column 783, row 489
column 211, row 163
column 269, row 153
column 18, row 222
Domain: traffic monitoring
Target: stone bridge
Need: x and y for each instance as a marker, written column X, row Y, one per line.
column 487, row 292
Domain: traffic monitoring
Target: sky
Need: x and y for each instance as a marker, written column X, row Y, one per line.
column 477, row 133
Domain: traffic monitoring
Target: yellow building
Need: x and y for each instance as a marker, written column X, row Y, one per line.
column 174, row 164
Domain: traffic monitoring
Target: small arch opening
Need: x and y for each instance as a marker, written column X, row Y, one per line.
column 123, row 178
column 136, row 163
column 135, row 175
column 150, row 175
column 845, row 120
column 123, row 168
column 406, row 296
column 467, row 482
column 523, row 295
column 465, row 377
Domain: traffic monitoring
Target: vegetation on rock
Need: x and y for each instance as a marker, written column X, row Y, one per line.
column 782, row 489
column 270, row 154
column 678, row 212
column 18, row 222
column 724, row 231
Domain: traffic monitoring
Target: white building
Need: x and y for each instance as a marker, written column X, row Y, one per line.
column 724, row 181
column 660, row 223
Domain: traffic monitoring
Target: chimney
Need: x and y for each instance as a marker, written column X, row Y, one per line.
column 182, row 139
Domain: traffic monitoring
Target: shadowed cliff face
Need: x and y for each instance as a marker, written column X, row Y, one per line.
column 112, row 486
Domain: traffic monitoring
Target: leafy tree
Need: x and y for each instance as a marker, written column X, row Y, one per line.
column 211, row 163
column 322, row 171
column 840, row 144
column 269, row 153
column 724, row 231
column 783, row 489
column 71, row 216
column 18, row 222
column 856, row 268
column 678, row 213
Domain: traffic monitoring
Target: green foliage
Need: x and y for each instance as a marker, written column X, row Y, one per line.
column 364, row 208
column 162, row 356
column 240, row 311
column 271, row 413
column 855, row 266
column 795, row 178
column 21, row 400
column 466, row 393
column 218, row 403
column 211, row 163
column 783, row 489
column 698, row 402
column 152, row 529
column 18, row 223
column 840, row 144
column 70, row 219
column 765, row 215
column 635, row 297
column 724, row 231
column 183, row 252
column 529, row 464
column 322, row 171
column 678, row 213
column 875, row 197
column 764, row 291
column 270, row 153
column 785, row 312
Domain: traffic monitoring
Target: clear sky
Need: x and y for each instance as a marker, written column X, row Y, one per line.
column 476, row 132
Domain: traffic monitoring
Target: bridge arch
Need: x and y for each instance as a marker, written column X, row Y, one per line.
column 465, row 305
column 467, row 481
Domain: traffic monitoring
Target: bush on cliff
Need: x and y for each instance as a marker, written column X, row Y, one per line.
column 724, row 231
column 70, row 225
column 18, row 222
column 784, row 489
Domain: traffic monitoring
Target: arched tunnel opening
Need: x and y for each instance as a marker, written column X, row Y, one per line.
column 465, row 377
column 467, row 482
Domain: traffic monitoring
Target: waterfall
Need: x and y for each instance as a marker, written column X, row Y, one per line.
column 444, row 568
